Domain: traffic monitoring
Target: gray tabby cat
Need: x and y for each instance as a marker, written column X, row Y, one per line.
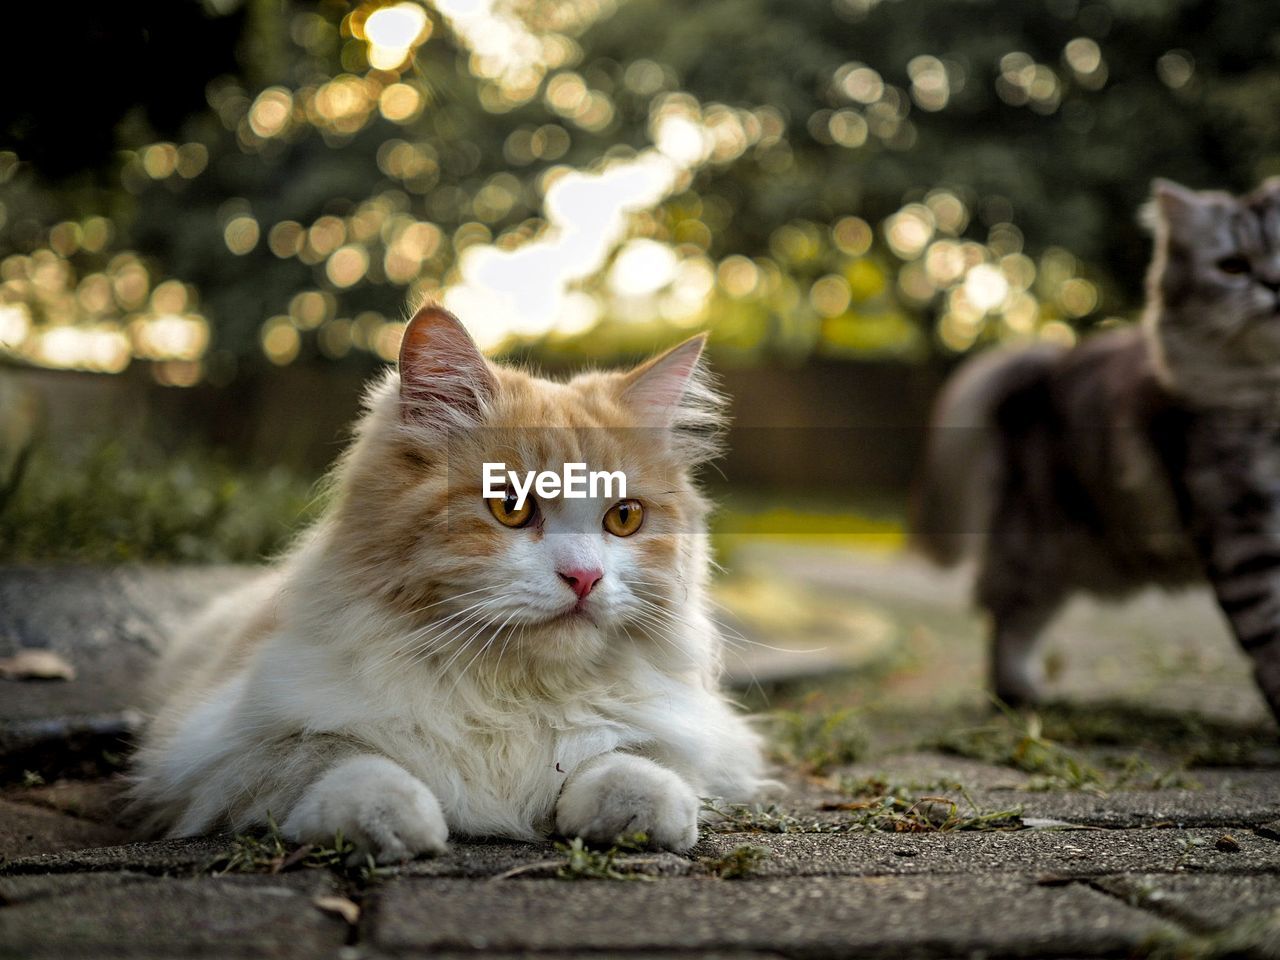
column 1143, row 455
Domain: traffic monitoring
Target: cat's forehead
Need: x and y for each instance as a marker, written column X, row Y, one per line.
column 637, row 451
column 533, row 446
column 526, row 400
column 1249, row 224
column 1259, row 222
column 1255, row 223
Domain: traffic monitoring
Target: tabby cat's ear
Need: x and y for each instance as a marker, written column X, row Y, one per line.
column 1174, row 204
column 444, row 378
column 660, row 389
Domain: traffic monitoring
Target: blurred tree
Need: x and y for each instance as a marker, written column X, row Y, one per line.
column 236, row 183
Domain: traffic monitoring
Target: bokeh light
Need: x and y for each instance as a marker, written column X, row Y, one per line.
column 555, row 186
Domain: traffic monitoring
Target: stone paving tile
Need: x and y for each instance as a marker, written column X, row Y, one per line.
column 876, row 916
column 1203, row 902
column 155, row 856
column 26, row 830
column 108, row 623
column 1225, row 799
column 1049, row 854
column 1036, row 853
column 98, row 800
column 23, row 889
column 205, row 916
column 478, row 858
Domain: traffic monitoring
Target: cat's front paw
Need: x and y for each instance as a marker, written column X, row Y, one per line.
column 620, row 795
column 377, row 805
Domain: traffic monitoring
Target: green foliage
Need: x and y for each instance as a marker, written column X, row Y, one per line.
column 1012, row 743
column 737, row 864
column 268, row 852
column 933, row 815
column 818, row 739
column 758, row 818
column 121, row 504
column 884, row 814
column 1194, row 740
column 880, row 785
column 1021, row 742
column 1044, row 147
column 581, row 862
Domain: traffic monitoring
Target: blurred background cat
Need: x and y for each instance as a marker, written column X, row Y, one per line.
column 1144, row 455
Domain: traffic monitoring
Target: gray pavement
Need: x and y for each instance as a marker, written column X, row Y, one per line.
column 1141, row 818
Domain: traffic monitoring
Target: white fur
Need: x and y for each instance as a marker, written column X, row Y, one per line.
column 618, row 795
column 376, row 805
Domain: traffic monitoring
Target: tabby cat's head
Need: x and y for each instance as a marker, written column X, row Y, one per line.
column 1214, row 291
column 555, row 580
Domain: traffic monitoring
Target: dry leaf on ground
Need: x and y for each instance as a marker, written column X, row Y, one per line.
column 31, row 664
column 348, row 910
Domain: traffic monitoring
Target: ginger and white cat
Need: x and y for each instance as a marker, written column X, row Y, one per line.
column 427, row 661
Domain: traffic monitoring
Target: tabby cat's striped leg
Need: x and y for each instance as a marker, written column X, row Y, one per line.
column 1234, row 485
column 1244, row 571
column 1253, row 608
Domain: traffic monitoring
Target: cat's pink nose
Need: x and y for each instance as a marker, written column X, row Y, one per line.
column 580, row 580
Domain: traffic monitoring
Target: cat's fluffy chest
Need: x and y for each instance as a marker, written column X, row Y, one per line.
column 497, row 766
column 485, row 777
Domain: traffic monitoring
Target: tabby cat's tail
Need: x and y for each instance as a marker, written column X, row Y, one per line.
column 962, row 465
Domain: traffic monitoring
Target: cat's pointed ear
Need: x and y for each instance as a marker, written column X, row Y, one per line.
column 444, row 378
column 660, row 389
column 1173, row 204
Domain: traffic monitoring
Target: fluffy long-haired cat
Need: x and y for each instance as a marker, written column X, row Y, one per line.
column 1144, row 455
column 429, row 661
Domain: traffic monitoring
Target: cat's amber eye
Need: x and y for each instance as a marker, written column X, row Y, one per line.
column 624, row 518
column 1234, row 265
column 506, row 512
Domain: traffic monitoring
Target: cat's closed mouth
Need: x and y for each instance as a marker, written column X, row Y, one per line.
column 578, row 611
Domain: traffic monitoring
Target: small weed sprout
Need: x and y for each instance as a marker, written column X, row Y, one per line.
column 818, row 740
column 271, row 853
column 1192, row 739
column 738, row 863
column 583, row 863
column 1020, row 742
column 756, row 818
column 880, row 785
column 887, row 814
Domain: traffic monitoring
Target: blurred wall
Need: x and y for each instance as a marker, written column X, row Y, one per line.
column 816, row 426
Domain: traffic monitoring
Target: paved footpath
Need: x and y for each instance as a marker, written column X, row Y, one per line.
column 1139, row 817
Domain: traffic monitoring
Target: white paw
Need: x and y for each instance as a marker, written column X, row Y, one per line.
column 377, row 805
column 620, row 795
